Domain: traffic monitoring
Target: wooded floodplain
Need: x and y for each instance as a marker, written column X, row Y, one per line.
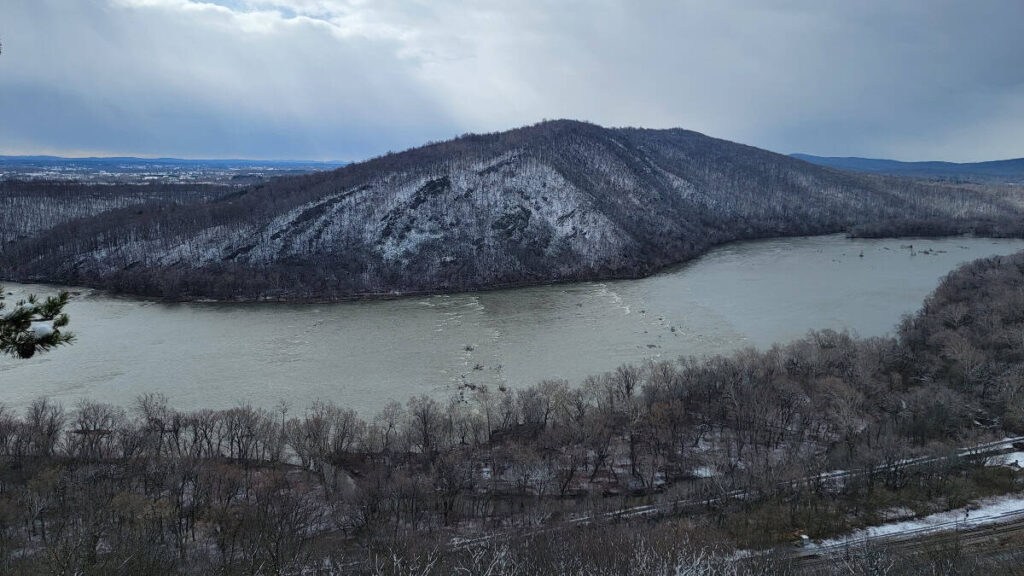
column 748, row 451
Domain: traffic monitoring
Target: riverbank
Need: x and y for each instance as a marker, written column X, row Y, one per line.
column 894, row 230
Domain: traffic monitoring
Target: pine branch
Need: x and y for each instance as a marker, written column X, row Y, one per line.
column 32, row 327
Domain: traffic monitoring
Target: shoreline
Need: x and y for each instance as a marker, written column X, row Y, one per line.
column 396, row 295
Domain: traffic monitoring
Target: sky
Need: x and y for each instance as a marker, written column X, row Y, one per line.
column 352, row 79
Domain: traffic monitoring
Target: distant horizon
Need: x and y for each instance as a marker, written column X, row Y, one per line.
column 347, row 162
column 178, row 158
column 880, row 159
column 356, row 161
column 188, row 158
column 285, row 160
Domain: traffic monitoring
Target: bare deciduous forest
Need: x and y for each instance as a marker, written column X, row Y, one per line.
column 557, row 201
column 28, row 208
column 817, row 437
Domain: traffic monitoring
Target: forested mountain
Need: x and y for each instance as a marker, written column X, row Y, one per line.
column 1011, row 171
column 560, row 200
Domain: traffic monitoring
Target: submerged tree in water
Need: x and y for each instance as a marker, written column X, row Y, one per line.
column 33, row 326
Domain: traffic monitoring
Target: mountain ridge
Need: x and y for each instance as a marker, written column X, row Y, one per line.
column 1010, row 169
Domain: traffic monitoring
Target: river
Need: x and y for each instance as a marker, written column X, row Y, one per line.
column 361, row 354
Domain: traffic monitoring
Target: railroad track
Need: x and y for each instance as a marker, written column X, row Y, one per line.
column 993, row 535
column 976, row 451
column 1003, row 527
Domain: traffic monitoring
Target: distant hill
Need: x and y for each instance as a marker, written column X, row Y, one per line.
column 557, row 201
column 1007, row 171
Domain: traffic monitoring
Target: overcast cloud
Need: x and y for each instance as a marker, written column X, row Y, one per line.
column 348, row 79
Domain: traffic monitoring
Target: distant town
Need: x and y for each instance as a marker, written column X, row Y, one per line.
column 128, row 170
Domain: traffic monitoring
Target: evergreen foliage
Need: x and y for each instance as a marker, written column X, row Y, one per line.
column 34, row 326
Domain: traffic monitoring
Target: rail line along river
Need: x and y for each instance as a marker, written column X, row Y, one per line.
column 361, row 354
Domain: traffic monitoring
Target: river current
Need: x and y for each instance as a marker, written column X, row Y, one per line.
column 361, row 354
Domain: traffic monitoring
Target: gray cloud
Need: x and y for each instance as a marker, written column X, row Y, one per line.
column 346, row 79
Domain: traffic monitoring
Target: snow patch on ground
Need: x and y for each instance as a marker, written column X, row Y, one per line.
column 986, row 511
column 704, row 472
column 1012, row 460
